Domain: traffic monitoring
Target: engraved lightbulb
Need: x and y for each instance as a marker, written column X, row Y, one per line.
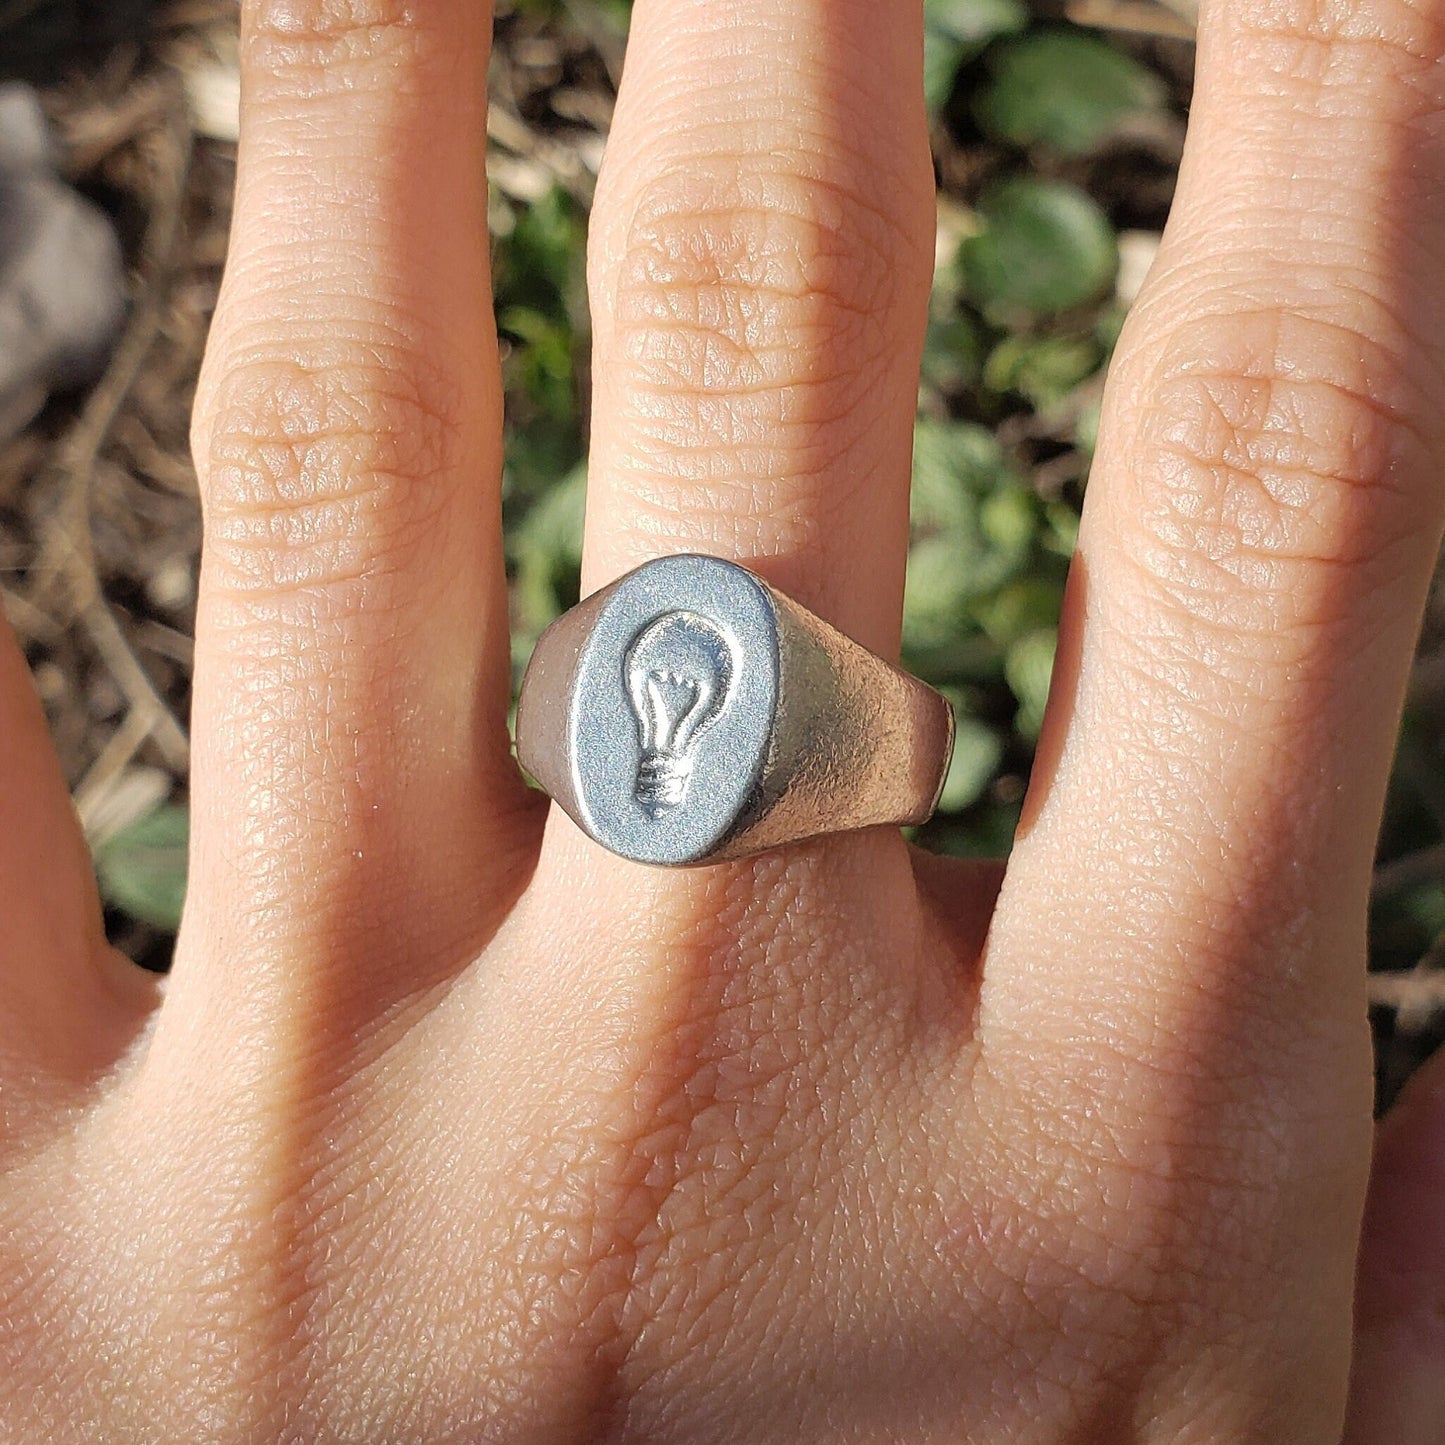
column 679, row 669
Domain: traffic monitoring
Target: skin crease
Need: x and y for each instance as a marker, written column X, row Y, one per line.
column 451, row 1127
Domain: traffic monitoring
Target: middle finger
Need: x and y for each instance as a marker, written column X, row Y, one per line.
column 760, row 261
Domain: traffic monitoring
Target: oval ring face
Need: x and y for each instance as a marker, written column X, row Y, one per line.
column 672, row 709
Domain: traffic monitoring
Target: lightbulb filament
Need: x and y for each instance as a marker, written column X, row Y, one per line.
column 679, row 669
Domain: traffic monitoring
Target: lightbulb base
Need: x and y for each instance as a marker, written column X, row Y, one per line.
column 662, row 780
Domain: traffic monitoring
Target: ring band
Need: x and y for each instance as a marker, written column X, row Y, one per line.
column 690, row 713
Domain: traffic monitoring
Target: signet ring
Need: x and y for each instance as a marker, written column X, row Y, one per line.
column 690, row 713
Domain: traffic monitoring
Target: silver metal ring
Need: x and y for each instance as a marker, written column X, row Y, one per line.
column 690, row 713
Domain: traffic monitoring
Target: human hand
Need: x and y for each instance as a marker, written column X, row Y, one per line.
column 453, row 1127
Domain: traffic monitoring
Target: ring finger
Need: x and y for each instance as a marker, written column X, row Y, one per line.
column 760, row 259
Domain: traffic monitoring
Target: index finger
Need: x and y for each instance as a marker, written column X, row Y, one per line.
column 353, row 790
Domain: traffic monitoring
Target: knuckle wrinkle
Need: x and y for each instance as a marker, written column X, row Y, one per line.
column 318, row 474
column 321, row 35
column 721, row 288
column 1274, row 450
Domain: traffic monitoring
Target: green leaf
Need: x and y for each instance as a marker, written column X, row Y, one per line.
column 1108, row 324
column 1426, row 905
column 547, row 552
column 974, row 525
column 142, row 869
column 1028, row 668
column 1061, row 531
column 954, row 463
column 955, row 31
column 977, row 752
column 942, row 57
column 988, row 832
column 541, row 308
column 1010, row 520
column 540, row 263
column 936, row 592
column 947, row 575
column 538, row 452
column 539, row 360
column 1030, row 603
column 1086, row 429
column 1064, row 89
column 617, row 12
column 952, row 353
column 1043, row 369
column 1043, row 245
column 975, row 22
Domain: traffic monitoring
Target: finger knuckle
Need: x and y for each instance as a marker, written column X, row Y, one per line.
column 1275, row 452
column 318, row 35
column 337, row 53
column 745, row 299
column 1336, row 37
column 321, row 475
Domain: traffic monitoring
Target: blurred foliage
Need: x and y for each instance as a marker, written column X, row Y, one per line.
column 45, row 40
column 542, row 322
column 142, row 868
column 1022, row 322
column 1064, row 89
column 955, row 31
column 578, row 13
column 1047, row 140
column 1042, row 246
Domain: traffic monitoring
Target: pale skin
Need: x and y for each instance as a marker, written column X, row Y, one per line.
column 449, row 1126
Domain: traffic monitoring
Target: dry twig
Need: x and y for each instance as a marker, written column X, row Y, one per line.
column 1417, row 996
column 1170, row 19
column 69, row 551
column 1422, row 866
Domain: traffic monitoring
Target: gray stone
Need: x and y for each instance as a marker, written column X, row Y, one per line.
column 62, row 282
